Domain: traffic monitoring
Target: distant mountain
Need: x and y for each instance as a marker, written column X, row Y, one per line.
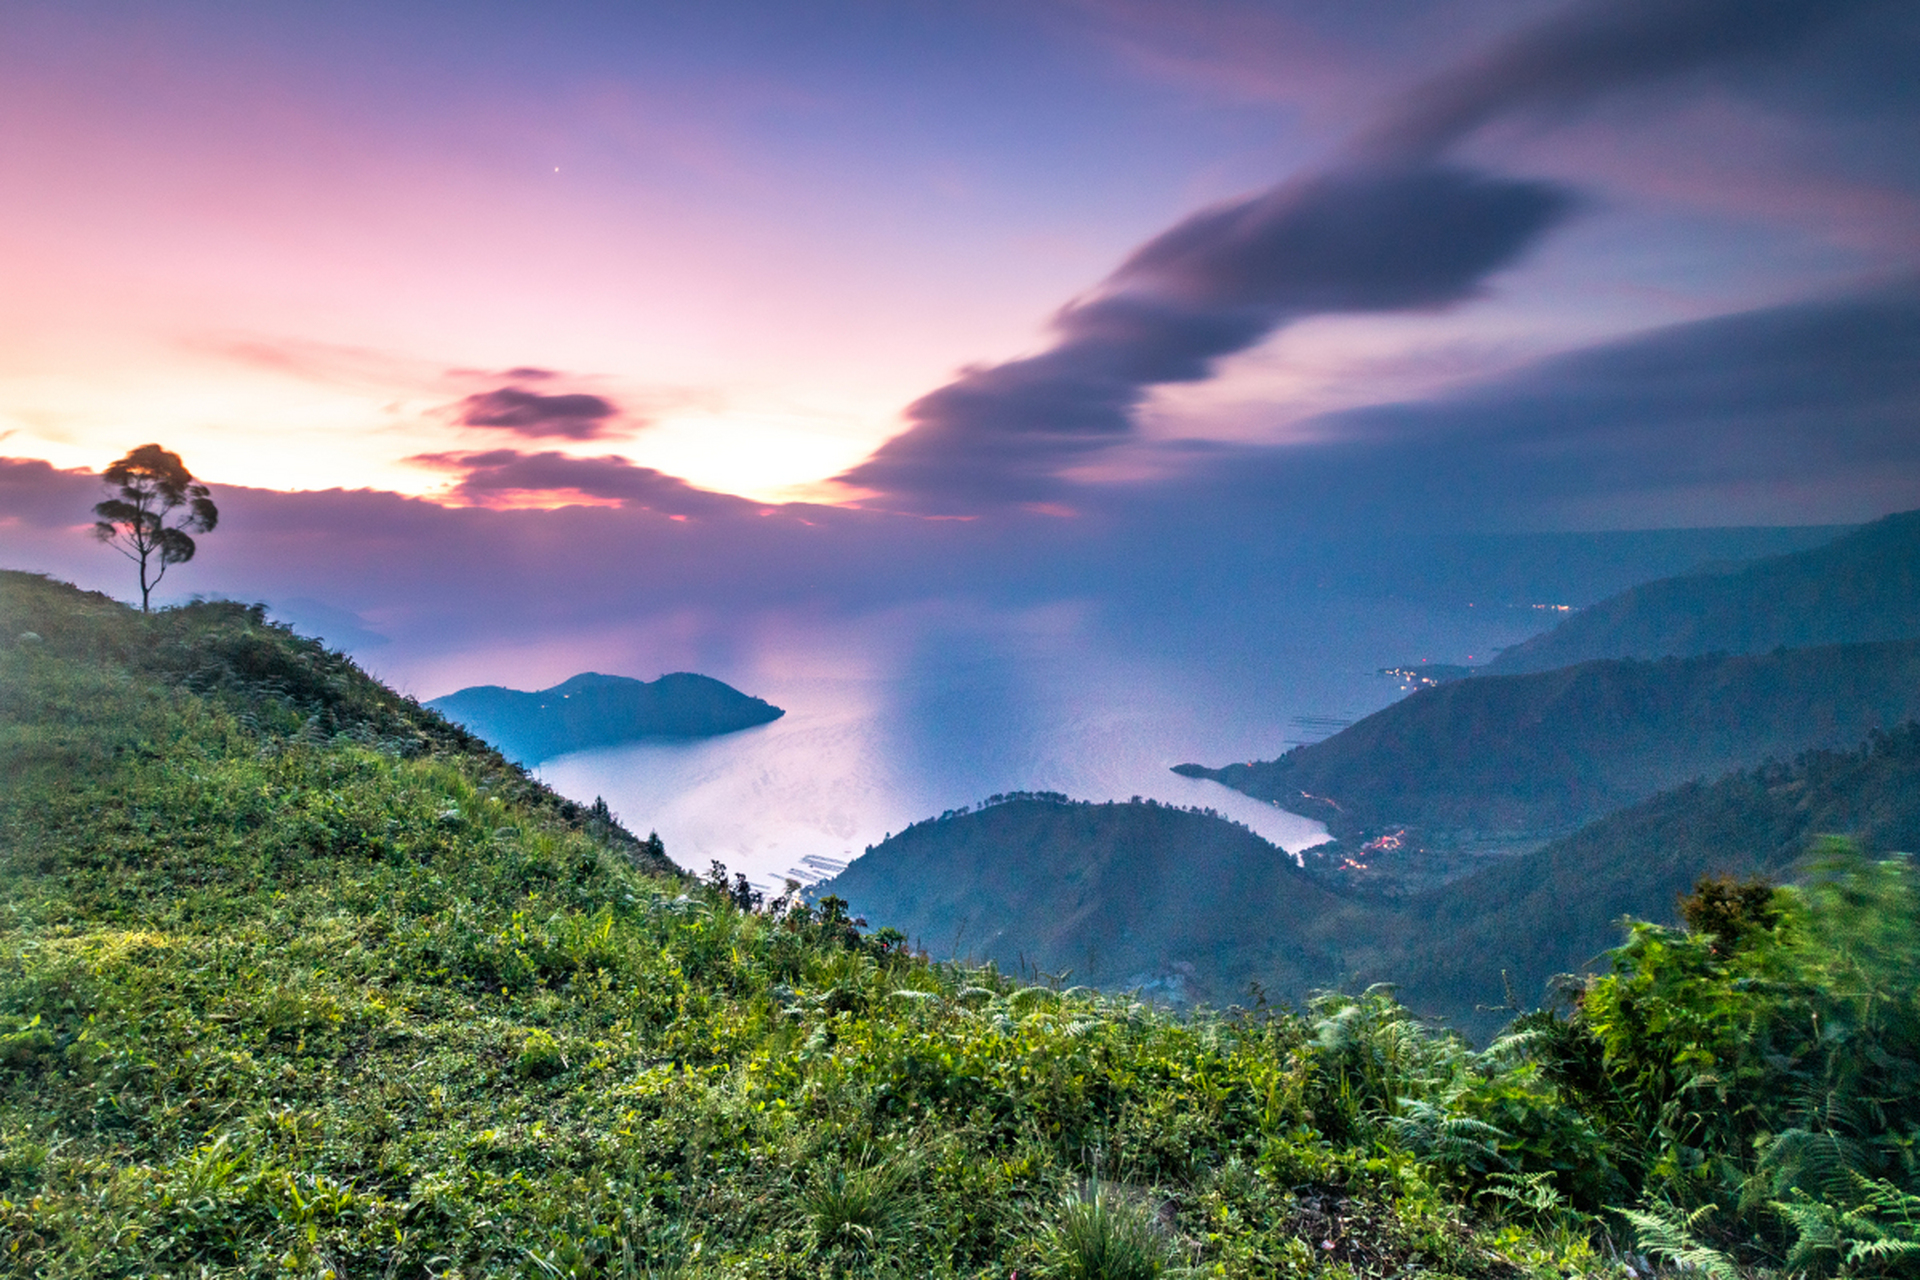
column 1863, row 586
column 340, row 628
column 1182, row 902
column 592, row 710
column 1188, row 905
column 1495, row 762
column 1552, row 911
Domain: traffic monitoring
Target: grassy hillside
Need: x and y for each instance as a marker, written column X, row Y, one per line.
column 1864, row 586
column 299, row 980
column 1503, row 760
column 1184, row 904
column 592, row 710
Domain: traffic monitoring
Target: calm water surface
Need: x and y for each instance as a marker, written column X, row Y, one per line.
column 899, row 719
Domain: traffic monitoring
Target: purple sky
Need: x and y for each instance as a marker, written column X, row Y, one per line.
column 639, row 315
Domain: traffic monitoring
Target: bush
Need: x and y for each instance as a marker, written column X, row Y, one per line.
column 1760, row 1078
column 540, row 1055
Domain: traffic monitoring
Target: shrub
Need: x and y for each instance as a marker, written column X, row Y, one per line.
column 540, row 1055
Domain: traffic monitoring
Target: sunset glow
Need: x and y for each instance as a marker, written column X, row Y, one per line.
column 287, row 249
column 718, row 315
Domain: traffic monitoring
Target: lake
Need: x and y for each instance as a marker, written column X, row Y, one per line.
column 899, row 717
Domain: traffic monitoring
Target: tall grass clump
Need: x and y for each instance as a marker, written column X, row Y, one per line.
column 859, row 1206
column 1097, row 1234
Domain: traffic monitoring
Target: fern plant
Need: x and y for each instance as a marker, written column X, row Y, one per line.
column 1878, row 1234
column 1440, row 1135
column 1668, row 1231
column 1768, row 1073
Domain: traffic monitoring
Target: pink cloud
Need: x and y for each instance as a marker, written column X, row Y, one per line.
column 508, row 478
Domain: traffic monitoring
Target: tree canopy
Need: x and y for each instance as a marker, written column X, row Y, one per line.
column 153, row 484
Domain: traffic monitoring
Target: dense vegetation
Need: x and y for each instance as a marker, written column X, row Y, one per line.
column 1862, row 587
column 1521, row 921
column 299, row 980
column 1179, row 902
column 1501, row 761
column 1187, row 905
column 592, row 710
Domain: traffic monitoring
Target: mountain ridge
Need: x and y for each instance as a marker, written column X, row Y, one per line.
column 1863, row 586
column 1516, row 924
column 1491, row 762
column 1240, row 911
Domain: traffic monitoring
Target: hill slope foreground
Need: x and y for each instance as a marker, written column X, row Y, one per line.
column 300, row 979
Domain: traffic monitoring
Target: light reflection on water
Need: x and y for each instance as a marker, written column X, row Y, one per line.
column 820, row 781
column 925, row 714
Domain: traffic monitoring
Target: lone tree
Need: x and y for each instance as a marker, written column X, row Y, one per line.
column 153, row 483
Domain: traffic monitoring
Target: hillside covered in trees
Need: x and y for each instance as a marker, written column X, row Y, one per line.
column 1185, row 905
column 1506, row 761
column 1138, row 895
column 1519, row 922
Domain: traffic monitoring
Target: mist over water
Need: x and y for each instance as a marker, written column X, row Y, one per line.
column 903, row 717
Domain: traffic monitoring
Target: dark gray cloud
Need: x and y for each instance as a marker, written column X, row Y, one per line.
column 1595, row 48
column 1354, row 240
column 1389, row 228
column 537, row 415
column 35, row 493
column 1807, row 412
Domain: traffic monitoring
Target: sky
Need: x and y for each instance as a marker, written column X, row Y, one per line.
column 541, row 332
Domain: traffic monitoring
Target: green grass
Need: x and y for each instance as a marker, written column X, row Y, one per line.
column 1099, row 1235
column 298, row 980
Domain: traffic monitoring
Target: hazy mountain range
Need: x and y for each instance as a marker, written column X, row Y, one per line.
column 1864, row 585
column 1498, row 761
column 1490, row 831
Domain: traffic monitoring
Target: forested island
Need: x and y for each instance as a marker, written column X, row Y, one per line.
column 592, row 710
